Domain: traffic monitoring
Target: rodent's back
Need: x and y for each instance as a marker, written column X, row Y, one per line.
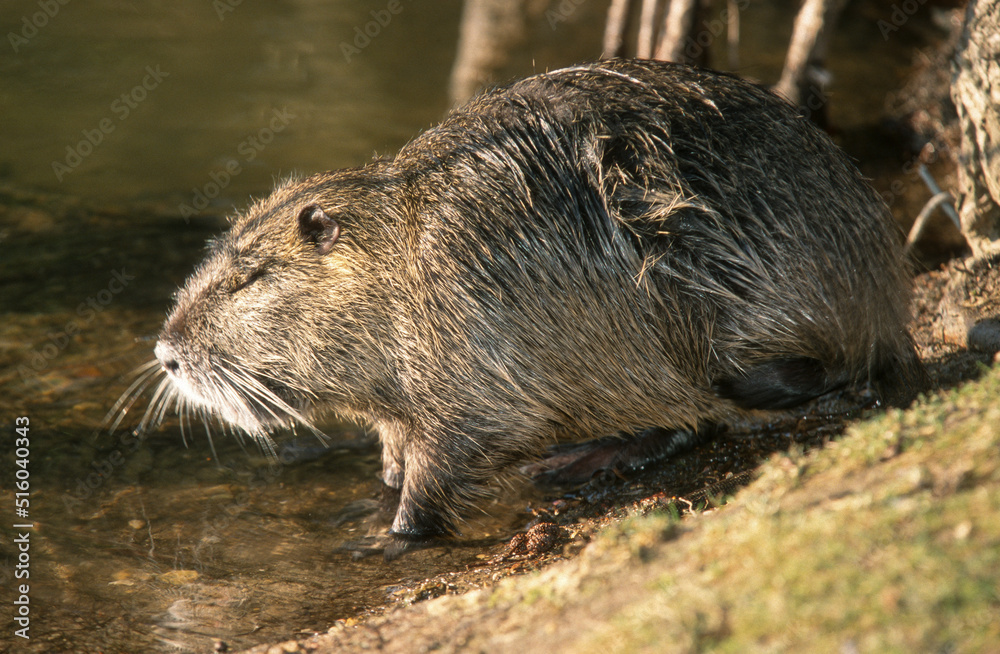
column 687, row 223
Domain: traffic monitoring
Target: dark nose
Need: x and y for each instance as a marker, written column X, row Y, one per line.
column 168, row 357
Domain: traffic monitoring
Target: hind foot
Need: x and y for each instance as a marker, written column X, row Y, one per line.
column 578, row 463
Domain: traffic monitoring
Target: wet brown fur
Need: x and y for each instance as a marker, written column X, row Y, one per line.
column 608, row 247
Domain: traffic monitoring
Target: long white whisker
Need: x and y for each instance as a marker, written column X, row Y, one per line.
column 161, row 388
column 211, row 445
column 265, row 394
column 298, row 387
column 165, row 402
column 262, row 398
column 241, row 395
column 181, row 406
column 227, row 384
column 208, row 430
column 133, row 393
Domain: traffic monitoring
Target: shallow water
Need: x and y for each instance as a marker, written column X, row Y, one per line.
column 148, row 544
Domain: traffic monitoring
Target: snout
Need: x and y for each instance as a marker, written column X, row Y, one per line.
column 183, row 374
column 168, row 357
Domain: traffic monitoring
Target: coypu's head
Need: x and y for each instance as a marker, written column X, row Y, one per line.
column 283, row 315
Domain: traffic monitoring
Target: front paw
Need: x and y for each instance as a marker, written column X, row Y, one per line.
column 417, row 525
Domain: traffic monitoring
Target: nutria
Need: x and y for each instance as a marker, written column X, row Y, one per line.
column 608, row 247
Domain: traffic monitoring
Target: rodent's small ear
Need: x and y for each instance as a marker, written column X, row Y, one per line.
column 315, row 226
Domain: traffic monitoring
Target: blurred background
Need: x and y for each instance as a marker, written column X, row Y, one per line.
column 226, row 66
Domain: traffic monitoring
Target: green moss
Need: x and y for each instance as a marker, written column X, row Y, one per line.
column 888, row 540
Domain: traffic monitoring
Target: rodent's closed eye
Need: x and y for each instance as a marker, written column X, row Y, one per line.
column 250, row 278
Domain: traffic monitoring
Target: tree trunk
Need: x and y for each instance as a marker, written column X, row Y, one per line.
column 489, row 30
column 804, row 78
column 646, row 40
column 616, row 27
column 970, row 309
column 976, row 93
column 677, row 23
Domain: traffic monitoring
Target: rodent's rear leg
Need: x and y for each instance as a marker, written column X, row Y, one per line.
column 578, row 463
column 779, row 384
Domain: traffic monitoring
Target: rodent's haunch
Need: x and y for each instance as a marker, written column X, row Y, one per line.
column 614, row 246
